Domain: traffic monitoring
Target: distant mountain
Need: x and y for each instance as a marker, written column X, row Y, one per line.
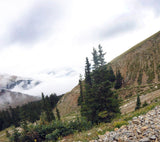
column 8, row 97
column 13, row 89
column 11, row 82
column 13, row 99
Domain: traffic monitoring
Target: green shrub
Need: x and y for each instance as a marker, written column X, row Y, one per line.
column 138, row 104
column 52, row 131
column 145, row 104
column 7, row 134
column 54, row 135
column 30, row 137
column 15, row 137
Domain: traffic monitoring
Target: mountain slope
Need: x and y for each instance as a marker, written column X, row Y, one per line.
column 68, row 102
column 13, row 99
column 139, row 66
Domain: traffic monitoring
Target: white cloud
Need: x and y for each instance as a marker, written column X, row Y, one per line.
column 67, row 35
column 59, row 80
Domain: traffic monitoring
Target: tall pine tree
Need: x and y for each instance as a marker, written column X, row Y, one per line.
column 101, row 56
column 47, row 108
column 138, row 104
column 95, row 59
column 80, row 99
column 86, row 109
column 58, row 114
column 106, row 103
column 99, row 103
column 88, row 79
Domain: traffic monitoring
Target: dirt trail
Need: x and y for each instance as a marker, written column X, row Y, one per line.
column 129, row 107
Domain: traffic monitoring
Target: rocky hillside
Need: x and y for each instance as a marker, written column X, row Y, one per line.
column 68, row 102
column 144, row 128
column 140, row 65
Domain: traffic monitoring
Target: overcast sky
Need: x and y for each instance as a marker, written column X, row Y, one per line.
column 41, row 36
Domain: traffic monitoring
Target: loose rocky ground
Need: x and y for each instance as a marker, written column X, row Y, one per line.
column 130, row 106
column 144, row 128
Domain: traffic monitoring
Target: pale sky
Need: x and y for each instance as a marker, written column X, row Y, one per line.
column 42, row 36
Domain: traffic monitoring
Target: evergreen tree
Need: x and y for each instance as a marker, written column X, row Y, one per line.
column 50, row 115
column 47, row 108
column 86, row 109
column 29, row 112
column 1, row 123
column 22, row 113
column 58, row 114
column 80, row 99
column 99, row 103
column 95, row 59
column 111, row 74
column 43, row 102
column 138, row 104
column 53, row 100
column 7, row 119
column 88, row 79
column 101, row 56
column 106, row 103
column 119, row 80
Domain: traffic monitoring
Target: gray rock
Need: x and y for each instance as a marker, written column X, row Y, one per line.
column 139, row 131
column 102, row 137
column 136, row 121
column 145, row 128
column 153, row 137
column 116, row 137
column 145, row 140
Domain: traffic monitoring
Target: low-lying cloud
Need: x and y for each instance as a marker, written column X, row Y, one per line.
column 59, row 82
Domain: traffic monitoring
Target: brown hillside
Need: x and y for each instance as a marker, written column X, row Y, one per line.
column 140, row 68
column 68, row 103
column 140, row 65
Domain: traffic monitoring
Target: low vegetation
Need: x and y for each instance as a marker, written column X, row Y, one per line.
column 52, row 131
